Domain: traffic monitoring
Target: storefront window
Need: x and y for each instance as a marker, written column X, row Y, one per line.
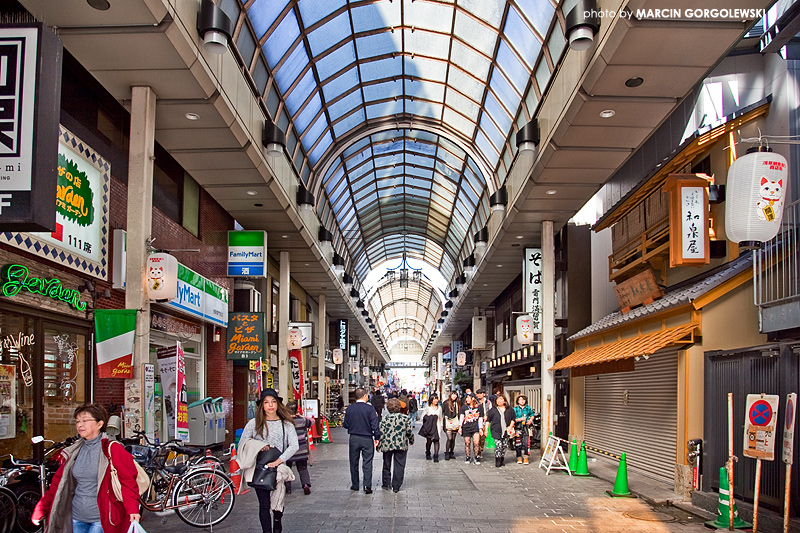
column 64, row 381
column 16, row 384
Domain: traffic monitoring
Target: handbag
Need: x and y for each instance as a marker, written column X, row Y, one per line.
column 266, row 477
column 142, row 479
column 451, row 424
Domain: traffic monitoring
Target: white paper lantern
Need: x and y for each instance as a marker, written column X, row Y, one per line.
column 756, row 190
column 162, row 277
column 461, row 358
column 337, row 356
column 525, row 329
column 374, row 375
column 365, row 371
column 295, row 339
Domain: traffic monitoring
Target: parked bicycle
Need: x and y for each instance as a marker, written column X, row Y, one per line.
column 8, row 510
column 200, row 495
column 28, row 479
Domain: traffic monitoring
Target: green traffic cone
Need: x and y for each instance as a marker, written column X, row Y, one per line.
column 325, row 437
column 583, row 466
column 489, row 442
column 620, row 489
column 722, row 507
column 573, row 456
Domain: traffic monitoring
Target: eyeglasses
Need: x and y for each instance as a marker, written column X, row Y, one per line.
column 84, row 421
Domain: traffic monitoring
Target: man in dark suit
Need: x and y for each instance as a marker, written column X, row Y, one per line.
column 361, row 423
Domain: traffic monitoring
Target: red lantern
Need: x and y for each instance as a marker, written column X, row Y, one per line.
column 756, row 189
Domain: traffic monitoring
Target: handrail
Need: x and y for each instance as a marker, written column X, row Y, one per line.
column 776, row 266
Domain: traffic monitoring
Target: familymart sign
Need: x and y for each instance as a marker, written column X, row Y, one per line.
column 200, row 297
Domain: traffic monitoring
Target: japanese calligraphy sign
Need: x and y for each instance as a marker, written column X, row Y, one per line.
column 245, row 335
column 533, row 287
column 688, row 220
column 80, row 240
column 638, row 289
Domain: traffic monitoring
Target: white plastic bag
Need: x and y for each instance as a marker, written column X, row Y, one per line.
column 136, row 527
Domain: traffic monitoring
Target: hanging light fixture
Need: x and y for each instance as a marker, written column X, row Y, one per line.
column 469, row 264
column 481, row 240
column 213, row 26
column 354, row 295
column 347, row 280
column 453, row 295
column 498, row 200
column 305, row 200
column 528, row 137
column 338, row 263
column 582, row 24
column 273, row 139
column 461, row 281
column 756, row 190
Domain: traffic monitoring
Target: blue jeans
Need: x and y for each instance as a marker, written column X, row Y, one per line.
column 86, row 527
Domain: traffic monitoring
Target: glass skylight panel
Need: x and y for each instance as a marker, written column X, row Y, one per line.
column 328, row 34
column 314, row 132
column 246, row 45
column 375, row 15
column 279, row 41
column 385, row 147
column 486, row 147
column 382, row 91
column 542, row 75
column 465, row 106
column 263, row 13
column 351, row 121
column 332, row 63
column 419, row 159
column 381, row 69
column 312, row 11
column 490, row 12
column 426, row 90
column 424, row 109
column 378, row 44
column 497, row 112
column 539, row 12
column 478, row 35
column 421, row 67
column 421, row 147
column 511, row 66
column 489, row 128
column 323, row 144
column 521, row 37
column 467, row 85
column 345, row 214
column 427, row 43
column 556, row 44
column 344, row 105
column 312, row 108
column 340, row 84
column 364, row 203
column 291, row 69
column 505, row 92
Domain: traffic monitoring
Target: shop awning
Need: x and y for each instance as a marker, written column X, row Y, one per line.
column 618, row 356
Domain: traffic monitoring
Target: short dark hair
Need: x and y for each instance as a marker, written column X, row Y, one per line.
column 393, row 405
column 95, row 410
column 360, row 393
column 292, row 406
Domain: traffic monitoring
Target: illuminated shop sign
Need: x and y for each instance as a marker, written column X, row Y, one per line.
column 17, row 277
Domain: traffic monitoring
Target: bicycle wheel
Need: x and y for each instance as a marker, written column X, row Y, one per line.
column 208, row 461
column 8, row 510
column 27, row 497
column 204, row 497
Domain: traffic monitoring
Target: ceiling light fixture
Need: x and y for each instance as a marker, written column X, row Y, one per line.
column 582, row 24
column 607, row 113
column 634, row 82
column 550, row 191
column 259, row 205
column 214, row 27
column 100, row 5
column 481, row 240
column 528, row 137
column 305, row 200
column 252, row 193
column 498, row 200
column 469, row 264
column 192, row 116
column 273, row 139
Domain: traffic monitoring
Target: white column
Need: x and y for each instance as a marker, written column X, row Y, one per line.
column 322, row 341
column 283, row 327
column 548, row 326
column 139, row 228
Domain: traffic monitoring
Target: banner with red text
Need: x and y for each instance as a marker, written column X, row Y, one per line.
column 115, row 331
column 182, row 418
column 296, row 372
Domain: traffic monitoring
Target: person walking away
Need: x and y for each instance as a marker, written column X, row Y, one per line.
column 450, row 410
column 272, row 427
column 397, row 434
column 300, row 459
column 413, row 406
column 403, row 397
column 80, row 497
column 377, row 402
column 523, row 417
column 501, row 424
column 432, row 427
column 471, row 424
column 484, row 406
column 361, row 422
column 339, row 402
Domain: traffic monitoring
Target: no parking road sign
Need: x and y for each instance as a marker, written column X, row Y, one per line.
column 761, row 413
column 788, row 429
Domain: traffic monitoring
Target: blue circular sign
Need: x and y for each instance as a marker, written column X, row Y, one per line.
column 760, row 413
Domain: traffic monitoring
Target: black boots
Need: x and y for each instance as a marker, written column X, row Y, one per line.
column 435, row 458
column 503, row 461
column 277, row 524
column 498, row 462
column 428, row 456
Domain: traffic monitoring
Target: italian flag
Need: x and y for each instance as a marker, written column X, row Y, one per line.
column 114, row 331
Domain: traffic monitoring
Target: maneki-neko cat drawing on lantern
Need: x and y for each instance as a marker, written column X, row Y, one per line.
column 771, row 200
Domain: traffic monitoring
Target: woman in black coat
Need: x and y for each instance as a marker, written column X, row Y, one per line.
column 450, row 409
column 501, row 418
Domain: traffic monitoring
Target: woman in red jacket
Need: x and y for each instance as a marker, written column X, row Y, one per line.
column 80, row 498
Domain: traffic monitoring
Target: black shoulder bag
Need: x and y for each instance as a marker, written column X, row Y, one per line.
column 266, row 477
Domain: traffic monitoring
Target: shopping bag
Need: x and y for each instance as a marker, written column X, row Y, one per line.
column 136, row 527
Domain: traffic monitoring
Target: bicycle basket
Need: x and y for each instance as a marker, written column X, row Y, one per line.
column 141, row 454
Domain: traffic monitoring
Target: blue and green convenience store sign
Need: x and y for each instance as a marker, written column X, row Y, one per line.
column 247, row 254
column 200, row 297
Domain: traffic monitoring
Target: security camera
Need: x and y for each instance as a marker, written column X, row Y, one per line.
column 583, row 23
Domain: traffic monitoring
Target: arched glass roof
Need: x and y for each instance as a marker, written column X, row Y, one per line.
column 403, row 312
column 399, row 114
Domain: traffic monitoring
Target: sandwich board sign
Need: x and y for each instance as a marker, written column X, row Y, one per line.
column 553, row 457
column 761, row 416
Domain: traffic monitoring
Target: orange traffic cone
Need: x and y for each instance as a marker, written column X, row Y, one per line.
column 236, row 473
